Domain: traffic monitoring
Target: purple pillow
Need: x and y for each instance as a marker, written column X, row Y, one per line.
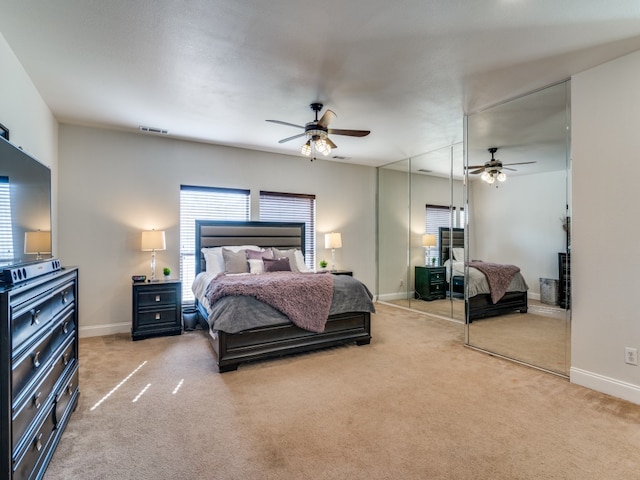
column 277, row 265
column 258, row 255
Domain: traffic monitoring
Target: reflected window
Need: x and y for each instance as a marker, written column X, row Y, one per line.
column 437, row 216
column 6, row 232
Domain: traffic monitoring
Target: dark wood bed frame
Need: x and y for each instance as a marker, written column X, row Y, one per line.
column 479, row 306
column 276, row 340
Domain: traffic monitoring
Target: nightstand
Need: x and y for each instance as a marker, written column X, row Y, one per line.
column 156, row 309
column 430, row 283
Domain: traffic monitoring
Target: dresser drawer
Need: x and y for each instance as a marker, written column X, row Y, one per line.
column 31, row 365
column 29, row 317
column 157, row 296
column 67, row 392
column 437, row 277
column 31, row 456
column 34, row 400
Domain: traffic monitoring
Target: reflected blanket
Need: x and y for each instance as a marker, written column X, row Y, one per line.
column 304, row 298
column 498, row 277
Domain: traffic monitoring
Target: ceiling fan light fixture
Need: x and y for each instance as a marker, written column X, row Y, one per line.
column 491, row 179
column 306, row 149
column 322, row 146
column 502, row 177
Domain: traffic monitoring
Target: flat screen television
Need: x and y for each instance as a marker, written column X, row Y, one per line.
column 25, row 207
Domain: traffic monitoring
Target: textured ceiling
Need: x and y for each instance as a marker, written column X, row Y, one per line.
column 214, row 71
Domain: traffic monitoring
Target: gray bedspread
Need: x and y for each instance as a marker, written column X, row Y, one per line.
column 238, row 313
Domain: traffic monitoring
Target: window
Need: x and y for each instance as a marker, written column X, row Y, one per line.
column 292, row 207
column 6, row 232
column 436, row 216
column 205, row 203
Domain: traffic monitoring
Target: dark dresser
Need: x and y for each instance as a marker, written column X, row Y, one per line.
column 564, row 273
column 156, row 309
column 39, row 370
column 430, row 283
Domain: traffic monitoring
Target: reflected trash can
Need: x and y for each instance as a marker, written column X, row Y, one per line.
column 549, row 291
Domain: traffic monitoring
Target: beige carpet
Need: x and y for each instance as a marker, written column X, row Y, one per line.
column 415, row 404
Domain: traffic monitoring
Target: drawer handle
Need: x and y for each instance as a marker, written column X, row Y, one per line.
column 38, row 442
column 70, row 388
column 64, row 297
column 65, row 327
column 157, row 298
column 65, row 359
column 34, row 317
column 36, row 359
column 157, row 316
column 36, row 400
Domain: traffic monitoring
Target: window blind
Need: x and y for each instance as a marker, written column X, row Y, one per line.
column 6, row 232
column 437, row 216
column 292, row 207
column 205, row 203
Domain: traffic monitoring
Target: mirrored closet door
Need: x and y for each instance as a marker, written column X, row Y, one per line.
column 421, row 200
column 519, row 214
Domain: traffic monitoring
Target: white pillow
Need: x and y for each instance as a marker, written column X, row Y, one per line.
column 458, row 254
column 300, row 263
column 256, row 265
column 214, row 259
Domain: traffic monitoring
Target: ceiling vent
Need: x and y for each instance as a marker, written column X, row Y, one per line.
column 159, row 131
column 338, row 157
column 423, row 170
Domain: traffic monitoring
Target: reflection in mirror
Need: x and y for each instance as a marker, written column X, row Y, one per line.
column 521, row 221
column 416, row 199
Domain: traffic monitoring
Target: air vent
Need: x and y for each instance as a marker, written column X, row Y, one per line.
column 159, row 131
column 424, row 170
column 338, row 157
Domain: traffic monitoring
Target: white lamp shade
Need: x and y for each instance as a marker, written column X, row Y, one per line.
column 429, row 240
column 37, row 242
column 153, row 240
column 332, row 240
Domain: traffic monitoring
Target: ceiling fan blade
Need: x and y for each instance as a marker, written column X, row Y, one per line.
column 479, row 170
column 507, row 168
column 291, row 138
column 327, row 118
column 285, row 123
column 520, row 163
column 331, row 144
column 351, row 133
column 471, row 167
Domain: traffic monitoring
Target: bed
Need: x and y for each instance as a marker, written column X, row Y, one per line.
column 479, row 303
column 272, row 335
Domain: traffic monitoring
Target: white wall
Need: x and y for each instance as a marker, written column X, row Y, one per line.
column 30, row 122
column 115, row 184
column 605, row 262
column 520, row 223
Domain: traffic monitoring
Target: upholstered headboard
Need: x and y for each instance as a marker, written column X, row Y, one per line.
column 449, row 238
column 216, row 233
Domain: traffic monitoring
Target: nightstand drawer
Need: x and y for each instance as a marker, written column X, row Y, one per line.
column 157, row 296
column 437, row 277
column 158, row 317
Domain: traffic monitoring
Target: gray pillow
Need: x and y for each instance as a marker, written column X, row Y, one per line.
column 235, row 262
column 290, row 254
column 259, row 255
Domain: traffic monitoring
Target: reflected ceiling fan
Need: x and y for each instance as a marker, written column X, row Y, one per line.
column 493, row 169
column 317, row 132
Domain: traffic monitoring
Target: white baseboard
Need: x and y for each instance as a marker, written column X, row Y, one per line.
column 105, row 329
column 387, row 297
column 610, row 386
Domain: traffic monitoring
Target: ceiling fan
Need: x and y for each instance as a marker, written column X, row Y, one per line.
column 492, row 170
column 317, row 132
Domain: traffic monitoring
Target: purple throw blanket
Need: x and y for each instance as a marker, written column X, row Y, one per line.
column 303, row 297
column 498, row 276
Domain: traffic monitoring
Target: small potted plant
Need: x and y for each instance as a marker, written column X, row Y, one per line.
column 167, row 272
column 323, row 264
